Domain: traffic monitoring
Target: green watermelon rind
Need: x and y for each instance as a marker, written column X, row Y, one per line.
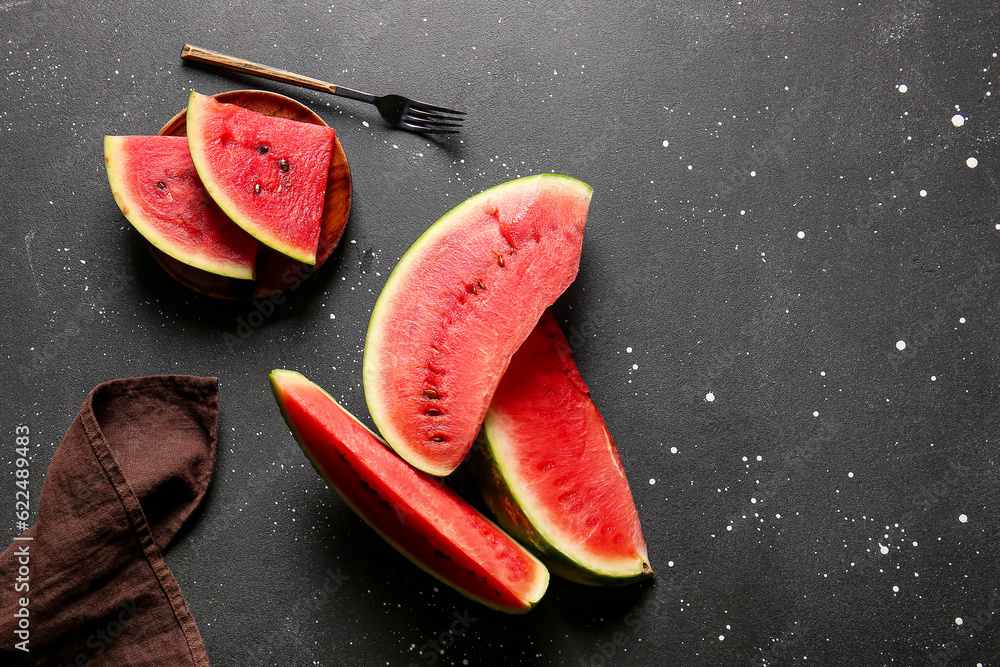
column 515, row 517
column 196, row 110
column 131, row 209
column 413, row 255
column 275, row 378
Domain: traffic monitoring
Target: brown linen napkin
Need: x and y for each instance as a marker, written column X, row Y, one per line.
column 133, row 467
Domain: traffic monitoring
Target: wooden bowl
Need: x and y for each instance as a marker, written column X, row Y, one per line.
column 275, row 272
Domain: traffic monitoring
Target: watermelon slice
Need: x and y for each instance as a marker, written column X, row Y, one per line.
column 418, row 515
column 267, row 173
column 155, row 185
column 457, row 306
column 551, row 472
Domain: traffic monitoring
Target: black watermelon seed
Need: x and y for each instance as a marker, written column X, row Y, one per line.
column 283, row 163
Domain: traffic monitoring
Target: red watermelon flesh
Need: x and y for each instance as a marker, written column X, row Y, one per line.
column 551, row 472
column 457, row 306
column 418, row 515
column 158, row 190
column 267, row 173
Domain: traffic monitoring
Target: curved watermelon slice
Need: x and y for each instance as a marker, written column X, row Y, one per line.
column 418, row 515
column 157, row 189
column 457, row 306
column 551, row 472
column 267, row 173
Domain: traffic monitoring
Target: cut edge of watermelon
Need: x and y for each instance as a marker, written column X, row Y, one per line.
column 502, row 494
column 116, row 178
column 281, row 380
column 373, row 346
column 196, row 107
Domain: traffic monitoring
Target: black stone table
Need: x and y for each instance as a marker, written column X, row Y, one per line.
column 786, row 311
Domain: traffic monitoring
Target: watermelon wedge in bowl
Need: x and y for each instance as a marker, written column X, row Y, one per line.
column 275, row 271
column 550, row 471
column 158, row 190
column 267, row 173
column 415, row 513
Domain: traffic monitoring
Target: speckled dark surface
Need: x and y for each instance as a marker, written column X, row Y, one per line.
column 783, row 199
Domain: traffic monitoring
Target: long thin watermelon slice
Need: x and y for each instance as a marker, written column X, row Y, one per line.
column 158, row 190
column 551, row 472
column 457, row 306
column 267, row 173
column 417, row 514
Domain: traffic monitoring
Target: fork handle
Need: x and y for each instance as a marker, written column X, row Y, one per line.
column 198, row 54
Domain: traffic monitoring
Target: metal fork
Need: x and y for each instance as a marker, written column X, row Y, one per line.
column 397, row 110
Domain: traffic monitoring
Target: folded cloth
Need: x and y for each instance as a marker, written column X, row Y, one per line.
column 87, row 584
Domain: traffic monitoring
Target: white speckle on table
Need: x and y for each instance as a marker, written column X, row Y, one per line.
column 963, row 518
column 665, row 143
column 709, row 397
column 895, row 589
column 883, row 549
column 850, row 474
column 673, row 450
column 923, row 193
column 652, row 481
column 961, row 320
column 902, row 88
column 972, row 163
column 959, row 621
column 958, row 120
column 628, row 350
column 900, row 345
column 801, row 234
column 815, row 413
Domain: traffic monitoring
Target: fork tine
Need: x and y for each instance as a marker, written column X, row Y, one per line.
column 423, row 106
column 432, row 117
column 434, row 128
